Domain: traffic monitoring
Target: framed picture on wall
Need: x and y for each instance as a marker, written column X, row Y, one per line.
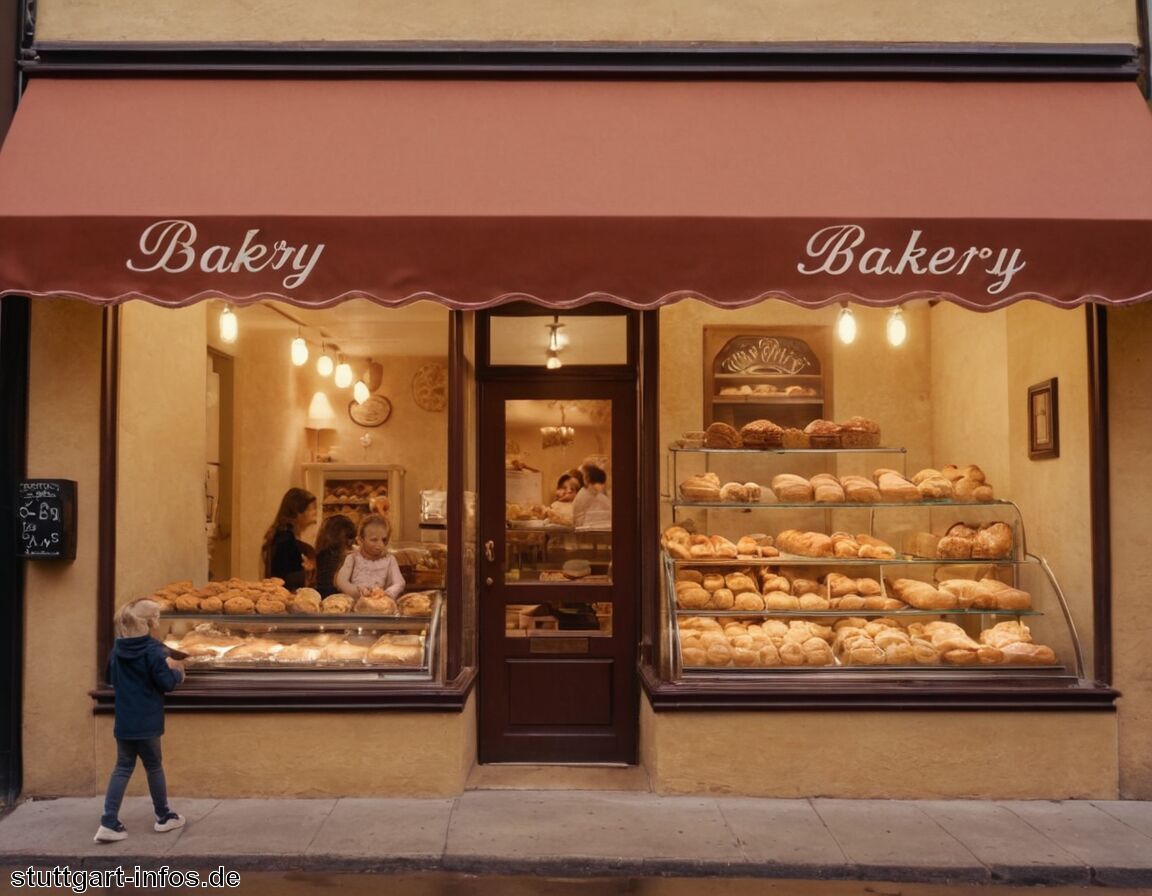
column 1043, row 420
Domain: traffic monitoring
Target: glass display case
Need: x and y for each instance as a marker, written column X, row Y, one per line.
column 773, row 581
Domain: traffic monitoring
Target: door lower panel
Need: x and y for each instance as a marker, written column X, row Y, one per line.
column 566, row 693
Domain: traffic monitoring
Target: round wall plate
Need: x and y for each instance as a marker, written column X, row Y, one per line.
column 371, row 412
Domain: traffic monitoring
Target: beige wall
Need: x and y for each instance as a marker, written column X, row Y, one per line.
column 1130, row 398
column 400, row 754
column 594, row 20
column 160, row 494
column 882, row 755
column 63, row 442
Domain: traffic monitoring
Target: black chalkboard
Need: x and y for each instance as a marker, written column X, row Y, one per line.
column 46, row 519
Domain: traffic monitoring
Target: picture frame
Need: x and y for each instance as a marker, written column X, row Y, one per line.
column 1044, row 420
column 372, row 412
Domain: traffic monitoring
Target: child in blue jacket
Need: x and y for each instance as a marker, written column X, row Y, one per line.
column 141, row 672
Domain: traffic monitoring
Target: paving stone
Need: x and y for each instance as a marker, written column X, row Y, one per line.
column 1134, row 813
column 375, row 828
column 781, row 832
column 255, row 828
column 1095, row 837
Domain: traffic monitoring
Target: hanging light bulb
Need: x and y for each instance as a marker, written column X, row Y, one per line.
column 229, row 325
column 555, row 343
column 360, row 392
column 846, row 325
column 343, row 374
column 897, row 327
column 299, row 350
column 554, row 362
column 324, row 364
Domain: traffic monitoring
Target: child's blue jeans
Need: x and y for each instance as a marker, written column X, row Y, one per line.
column 126, row 753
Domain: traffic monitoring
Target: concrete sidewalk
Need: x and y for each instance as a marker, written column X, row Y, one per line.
column 601, row 833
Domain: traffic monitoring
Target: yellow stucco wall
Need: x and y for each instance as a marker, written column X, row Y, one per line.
column 594, row 20
column 238, row 755
column 1130, row 396
column 882, row 755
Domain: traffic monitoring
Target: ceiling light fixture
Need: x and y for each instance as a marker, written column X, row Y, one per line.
column 324, row 364
column 897, row 327
column 555, row 343
column 846, row 325
column 343, row 373
column 229, row 325
column 299, row 350
column 360, row 392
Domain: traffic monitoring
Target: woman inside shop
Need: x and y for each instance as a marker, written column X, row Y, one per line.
column 567, row 487
column 284, row 555
column 592, row 506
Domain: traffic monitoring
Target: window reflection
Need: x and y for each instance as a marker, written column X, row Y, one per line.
column 558, row 492
column 559, row 617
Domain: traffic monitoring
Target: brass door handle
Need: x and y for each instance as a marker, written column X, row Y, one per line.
column 490, row 551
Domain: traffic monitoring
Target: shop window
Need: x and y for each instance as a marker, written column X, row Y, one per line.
column 558, row 340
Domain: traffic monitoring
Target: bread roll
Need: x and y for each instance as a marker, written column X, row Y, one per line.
column 211, row 605
column 396, row 650
column 827, row 489
column 778, row 600
column 693, row 657
column 804, row 586
column 770, row 581
column 993, row 542
column 689, row 575
column 746, row 546
column 895, row 488
column 723, row 547
column 739, row 581
column 935, row 488
column 238, row 606
column 701, row 488
column 187, row 603
column 376, row 603
column 701, row 547
column 749, row 600
column 336, row 604
column 844, row 545
column 923, row 596
column 868, row 587
column 734, row 493
column 418, row 603
column 1020, row 653
column 970, row 594
column 792, row 489
column 804, row 544
column 268, row 607
column 954, row 547
column 722, row 599
column 839, row 585
column 712, row 581
column 860, row 490
column 814, row 602
column 342, row 653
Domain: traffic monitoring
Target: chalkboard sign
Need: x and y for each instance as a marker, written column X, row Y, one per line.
column 46, row 518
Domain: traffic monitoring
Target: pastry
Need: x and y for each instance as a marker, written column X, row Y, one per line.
column 993, row 542
column 187, row 603
column 823, row 434
column 860, row 432
column 237, row 606
column 1024, row 654
column 734, row 492
column 762, row 434
column 792, row 489
column 253, row 650
column 804, row 544
column 336, row 604
column 721, row 435
column 342, row 652
column 399, row 650
column 860, row 490
column 211, row 605
column 306, row 602
column 827, row 489
column 299, row 653
column 922, row 595
column 895, row 488
column 376, row 603
column 747, row 546
column 269, row 607
column 419, row 603
column 722, row 547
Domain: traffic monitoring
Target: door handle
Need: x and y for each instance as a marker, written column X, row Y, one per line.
column 490, row 551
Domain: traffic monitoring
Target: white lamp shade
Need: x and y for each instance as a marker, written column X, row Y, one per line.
column 846, row 326
column 343, row 374
column 320, row 413
column 360, row 392
column 325, row 365
column 299, row 352
column 229, row 325
column 897, row 328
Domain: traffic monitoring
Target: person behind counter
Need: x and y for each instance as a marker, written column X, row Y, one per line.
column 370, row 565
column 567, row 487
column 141, row 672
column 283, row 554
column 592, row 507
column 334, row 541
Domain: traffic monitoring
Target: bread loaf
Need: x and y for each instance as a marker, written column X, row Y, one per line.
column 702, row 487
column 993, row 542
column 795, row 438
column 721, row 435
column 804, row 544
column 722, row 547
column 792, row 489
column 860, row 432
column 895, row 488
column 922, row 595
column 824, row 434
column 1022, row 654
column 860, row 490
column 827, row 489
column 762, row 434
column 734, row 492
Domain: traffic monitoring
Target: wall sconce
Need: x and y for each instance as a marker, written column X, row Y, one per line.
column 897, row 327
column 229, row 325
column 299, row 350
column 320, row 416
column 846, row 325
column 343, row 373
column 324, row 364
column 555, row 343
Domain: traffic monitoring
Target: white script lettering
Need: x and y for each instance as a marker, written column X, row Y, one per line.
column 834, row 251
column 170, row 246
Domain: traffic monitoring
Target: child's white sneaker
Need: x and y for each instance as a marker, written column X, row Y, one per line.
column 169, row 822
column 110, row 835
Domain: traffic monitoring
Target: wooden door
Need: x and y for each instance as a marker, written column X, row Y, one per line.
column 558, row 598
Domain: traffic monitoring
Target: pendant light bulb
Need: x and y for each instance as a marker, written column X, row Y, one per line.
column 324, row 364
column 229, row 325
column 360, row 392
column 897, row 327
column 343, row 374
column 554, row 362
column 299, row 351
column 846, row 326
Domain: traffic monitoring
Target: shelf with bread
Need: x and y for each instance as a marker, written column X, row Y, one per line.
column 927, row 574
column 239, row 627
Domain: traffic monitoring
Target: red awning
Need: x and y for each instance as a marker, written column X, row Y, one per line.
column 564, row 192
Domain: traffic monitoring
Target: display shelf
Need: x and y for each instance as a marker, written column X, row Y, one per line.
column 797, row 560
column 851, row 505
column 761, row 451
column 840, row 614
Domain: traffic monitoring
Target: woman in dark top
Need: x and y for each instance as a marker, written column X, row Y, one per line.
column 284, row 555
column 336, row 538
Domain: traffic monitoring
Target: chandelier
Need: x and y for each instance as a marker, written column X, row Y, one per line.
column 557, row 436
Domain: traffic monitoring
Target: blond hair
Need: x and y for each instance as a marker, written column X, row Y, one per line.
column 136, row 618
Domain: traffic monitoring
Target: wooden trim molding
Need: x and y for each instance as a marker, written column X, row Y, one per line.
column 1110, row 61
column 106, row 507
column 1100, row 491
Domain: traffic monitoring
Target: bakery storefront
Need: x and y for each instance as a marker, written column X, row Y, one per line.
column 845, row 390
